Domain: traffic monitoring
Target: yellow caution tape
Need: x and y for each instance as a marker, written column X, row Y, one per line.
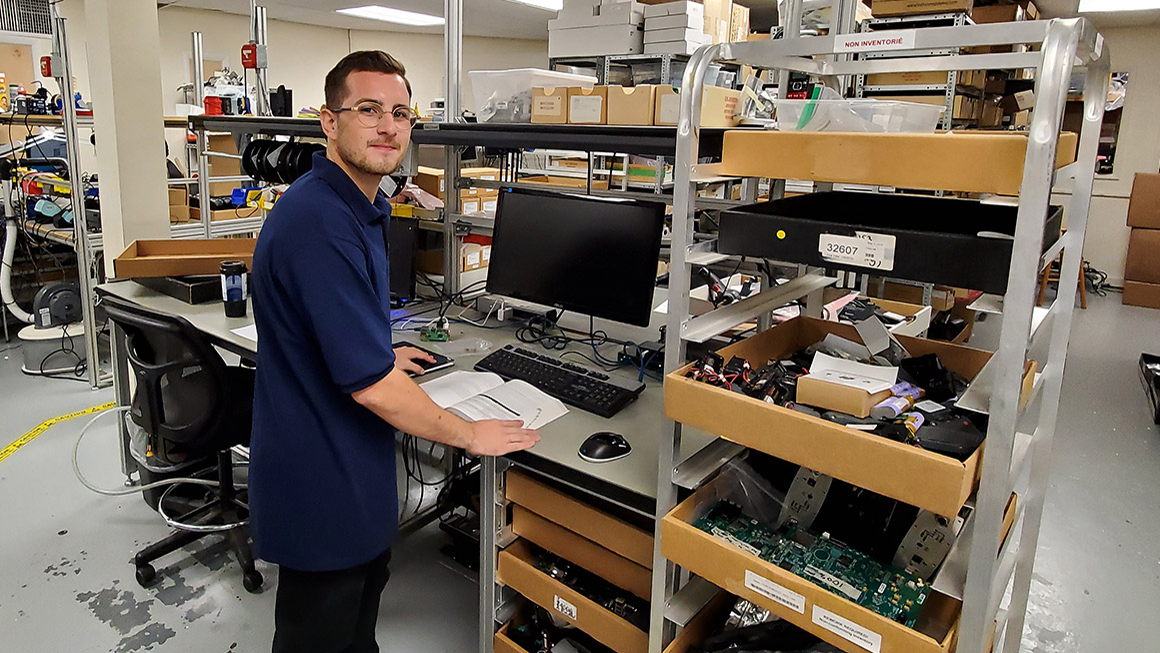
column 44, row 426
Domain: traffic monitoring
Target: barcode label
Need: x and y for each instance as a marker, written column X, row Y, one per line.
column 772, row 590
column 565, row 608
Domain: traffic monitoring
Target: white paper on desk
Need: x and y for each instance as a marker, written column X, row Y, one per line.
column 450, row 389
column 249, row 332
column 512, row 400
column 871, row 378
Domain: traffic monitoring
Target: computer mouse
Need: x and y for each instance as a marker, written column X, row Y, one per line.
column 604, row 446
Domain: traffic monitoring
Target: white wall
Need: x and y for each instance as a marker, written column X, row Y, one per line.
column 1134, row 50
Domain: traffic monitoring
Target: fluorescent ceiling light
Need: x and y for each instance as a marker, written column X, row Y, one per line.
column 1097, row 6
column 389, row 15
column 550, row 5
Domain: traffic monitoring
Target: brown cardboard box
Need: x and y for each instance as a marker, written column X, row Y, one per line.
column 704, row 625
column 998, row 14
column 176, row 258
column 718, row 106
column 718, row 14
column 631, row 105
column 518, row 571
column 884, row 8
column 617, row 536
column 816, row 392
column 739, row 24
column 1138, row 293
column 578, row 550
column 220, row 166
column 179, row 213
column 996, row 84
column 564, row 182
column 799, row 601
column 432, row 179
column 942, row 298
column 1021, row 119
column 892, row 79
column 1016, row 102
column 587, row 106
column 1144, row 206
column 550, row 105
column 992, row 115
column 474, row 200
column 929, row 161
column 504, row 644
column 921, row 478
column 1143, row 262
column 226, row 214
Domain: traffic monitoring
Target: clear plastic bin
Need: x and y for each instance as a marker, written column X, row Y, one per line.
column 863, row 115
column 506, row 95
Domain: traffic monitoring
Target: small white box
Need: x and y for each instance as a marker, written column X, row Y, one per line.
column 672, row 47
column 673, row 34
column 695, row 9
column 589, row 41
column 619, row 13
column 675, row 20
column 578, row 8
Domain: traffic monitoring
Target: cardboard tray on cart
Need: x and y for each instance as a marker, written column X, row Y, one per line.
column 831, row 617
column 177, row 258
column 921, row 478
column 977, row 162
column 954, row 242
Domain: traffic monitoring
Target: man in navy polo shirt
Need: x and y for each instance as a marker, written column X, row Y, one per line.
column 330, row 390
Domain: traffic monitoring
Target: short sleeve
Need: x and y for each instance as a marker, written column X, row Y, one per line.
column 338, row 300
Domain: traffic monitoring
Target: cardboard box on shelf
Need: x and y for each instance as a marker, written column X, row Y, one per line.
column 176, row 258
column 1139, row 293
column 432, row 179
column 474, row 256
column 475, row 200
column 1143, row 261
column 1144, row 205
column 631, row 105
column 1019, row 101
column 718, row 13
column 672, row 34
column 695, row 10
column 942, row 298
column 718, row 106
column 598, row 40
column 1000, row 13
column 220, row 166
column 550, row 105
column 992, row 115
column 674, row 47
column 1021, row 119
column 564, row 182
column 232, row 213
column 996, row 84
column 583, row 14
column 668, row 21
column 739, row 23
column 587, row 106
column 888, row 8
column 909, row 78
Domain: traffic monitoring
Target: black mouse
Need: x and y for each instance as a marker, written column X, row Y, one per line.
column 604, row 446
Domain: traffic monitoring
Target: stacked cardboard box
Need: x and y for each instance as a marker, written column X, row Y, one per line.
column 591, row 27
column 1142, row 269
column 674, row 28
column 471, row 200
column 889, row 8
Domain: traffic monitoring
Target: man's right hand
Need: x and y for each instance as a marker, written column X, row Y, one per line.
column 495, row 437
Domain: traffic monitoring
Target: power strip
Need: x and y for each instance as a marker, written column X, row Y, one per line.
column 497, row 307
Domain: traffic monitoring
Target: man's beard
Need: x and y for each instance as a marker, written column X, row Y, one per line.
column 358, row 160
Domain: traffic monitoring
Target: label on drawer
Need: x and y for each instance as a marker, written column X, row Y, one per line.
column 895, row 39
column 565, row 608
column 586, row 109
column 865, row 250
column 846, row 629
column 772, row 590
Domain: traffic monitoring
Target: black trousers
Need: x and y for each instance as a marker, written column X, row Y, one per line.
column 330, row 611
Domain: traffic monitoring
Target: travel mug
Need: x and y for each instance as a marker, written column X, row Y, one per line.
column 235, row 289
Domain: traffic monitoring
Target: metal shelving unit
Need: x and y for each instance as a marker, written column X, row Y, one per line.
column 603, row 64
column 1018, row 439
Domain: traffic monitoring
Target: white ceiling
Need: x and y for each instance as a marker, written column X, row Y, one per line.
column 498, row 18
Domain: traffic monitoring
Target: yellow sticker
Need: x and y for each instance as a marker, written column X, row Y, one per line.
column 781, row 234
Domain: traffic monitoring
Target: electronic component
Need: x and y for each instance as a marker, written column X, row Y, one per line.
column 627, row 606
column 826, row 562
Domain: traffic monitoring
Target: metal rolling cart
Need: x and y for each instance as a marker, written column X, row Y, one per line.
column 1018, row 440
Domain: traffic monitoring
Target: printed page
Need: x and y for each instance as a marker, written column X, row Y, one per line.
column 450, row 389
column 514, row 400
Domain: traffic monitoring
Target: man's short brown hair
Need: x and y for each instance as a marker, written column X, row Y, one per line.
column 375, row 61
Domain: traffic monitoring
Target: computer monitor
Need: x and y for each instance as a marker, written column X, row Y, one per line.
column 596, row 256
column 402, row 235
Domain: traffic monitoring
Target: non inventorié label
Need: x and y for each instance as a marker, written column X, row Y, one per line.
column 846, row 629
column 565, row 608
column 772, row 590
column 895, row 39
column 875, row 251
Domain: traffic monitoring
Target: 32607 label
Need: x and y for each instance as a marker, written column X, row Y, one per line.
column 867, row 250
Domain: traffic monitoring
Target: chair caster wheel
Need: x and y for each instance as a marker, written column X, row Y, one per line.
column 146, row 574
column 252, row 581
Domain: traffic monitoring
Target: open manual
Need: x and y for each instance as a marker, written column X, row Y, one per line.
column 477, row 396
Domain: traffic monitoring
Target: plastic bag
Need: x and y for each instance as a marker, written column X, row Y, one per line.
column 461, row 347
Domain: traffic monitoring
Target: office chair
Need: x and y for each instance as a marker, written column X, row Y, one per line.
column 192, row 407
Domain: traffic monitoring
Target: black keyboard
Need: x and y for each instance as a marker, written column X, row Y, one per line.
column 585, row 388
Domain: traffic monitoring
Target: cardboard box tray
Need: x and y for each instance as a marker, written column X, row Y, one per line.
column 927, row 161
column 175, row 258
column 829, row 616
column 517, row 570
column 932, row 239
column 921, row 478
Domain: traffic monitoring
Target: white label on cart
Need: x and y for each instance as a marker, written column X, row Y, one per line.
column 929, row 406
column 833, row 582
column 895, row 39
column 875, row 251
column 867, row 639
column 585, row 109
column 772, row 590
column 565, row 608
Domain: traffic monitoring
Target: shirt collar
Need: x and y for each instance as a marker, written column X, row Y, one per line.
column 367, row 212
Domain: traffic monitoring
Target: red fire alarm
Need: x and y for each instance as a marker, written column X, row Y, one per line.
column 46, row 66
column 253, row 56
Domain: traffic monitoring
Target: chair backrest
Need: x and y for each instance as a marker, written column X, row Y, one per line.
column 183, row 394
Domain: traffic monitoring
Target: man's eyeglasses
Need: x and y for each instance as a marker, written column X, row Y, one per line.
column 370, row 114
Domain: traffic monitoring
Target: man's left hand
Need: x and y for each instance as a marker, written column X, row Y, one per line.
column 406, row 357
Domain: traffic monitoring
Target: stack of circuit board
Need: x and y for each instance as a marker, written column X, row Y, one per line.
column 826, row 562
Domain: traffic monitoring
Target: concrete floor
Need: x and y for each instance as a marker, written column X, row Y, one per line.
column 66, row 580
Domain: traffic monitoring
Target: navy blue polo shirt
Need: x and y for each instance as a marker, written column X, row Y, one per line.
column 322, row 469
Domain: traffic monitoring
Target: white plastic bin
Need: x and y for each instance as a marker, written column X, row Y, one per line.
column 506, row 95
column 857, row 115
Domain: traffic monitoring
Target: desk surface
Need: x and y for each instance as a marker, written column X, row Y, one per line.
column 630, row 481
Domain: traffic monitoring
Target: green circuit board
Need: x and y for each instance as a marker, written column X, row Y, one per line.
column 826, row 562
